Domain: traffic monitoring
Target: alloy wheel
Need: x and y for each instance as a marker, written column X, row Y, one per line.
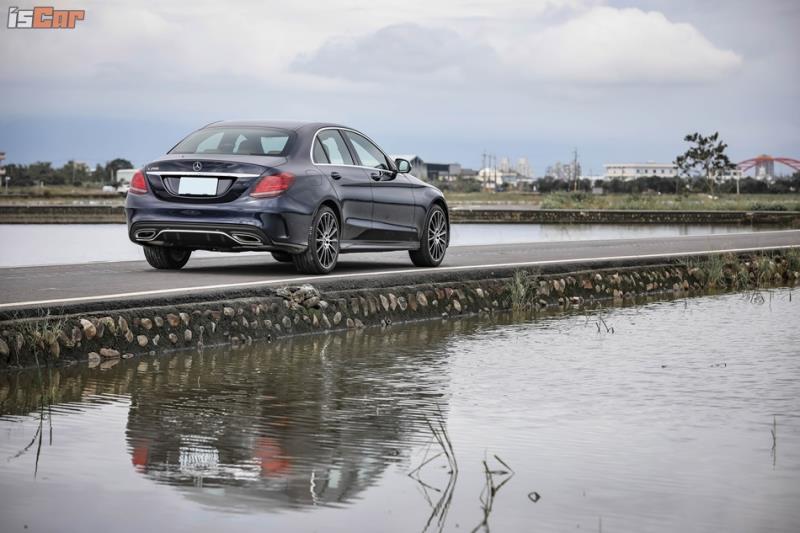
column 327, row 240
column 437, row 235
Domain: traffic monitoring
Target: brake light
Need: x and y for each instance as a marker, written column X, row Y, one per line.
column 138, row 183
column 272, row 185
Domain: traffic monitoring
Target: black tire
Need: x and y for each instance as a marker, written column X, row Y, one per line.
column 323, row 244
column 165, row 258
column 434, row 240
column 282, row 257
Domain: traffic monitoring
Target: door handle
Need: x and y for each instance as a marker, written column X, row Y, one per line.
column 335, row 175
column 376, row 176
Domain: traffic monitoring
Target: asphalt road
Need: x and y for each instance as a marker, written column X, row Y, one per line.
column 98, row 282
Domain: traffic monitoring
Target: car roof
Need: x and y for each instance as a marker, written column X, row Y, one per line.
column 281, row 124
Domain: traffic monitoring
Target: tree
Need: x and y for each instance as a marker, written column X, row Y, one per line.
column 706, row 158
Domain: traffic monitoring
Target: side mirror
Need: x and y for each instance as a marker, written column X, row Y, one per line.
column 403, row 166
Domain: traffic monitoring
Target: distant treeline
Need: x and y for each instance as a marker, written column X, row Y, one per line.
column 71, row 173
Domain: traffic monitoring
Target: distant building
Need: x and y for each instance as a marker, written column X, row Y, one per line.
column 728, row 175
column 495, row 178
column 431, row 171
column 631, row 171
column 564, row 171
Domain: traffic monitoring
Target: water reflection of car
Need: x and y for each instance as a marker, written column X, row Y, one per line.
column 267, row 430
column 305, row 192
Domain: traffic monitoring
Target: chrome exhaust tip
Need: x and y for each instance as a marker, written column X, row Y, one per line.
column 145, row 235
column 246, row 239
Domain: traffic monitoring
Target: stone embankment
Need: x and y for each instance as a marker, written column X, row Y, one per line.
column 487, row 215
column 37, row 337
column 115, row 214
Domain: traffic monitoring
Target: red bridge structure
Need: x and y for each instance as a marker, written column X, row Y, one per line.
column 765, row 164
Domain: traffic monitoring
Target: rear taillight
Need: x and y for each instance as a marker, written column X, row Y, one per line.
column 272, row 185
column 138, row 183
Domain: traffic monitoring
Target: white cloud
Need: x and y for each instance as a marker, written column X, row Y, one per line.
column 608, row 45
column 401, row 52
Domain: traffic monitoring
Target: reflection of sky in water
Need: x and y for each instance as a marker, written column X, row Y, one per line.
column 45, row 244
column 664, row 425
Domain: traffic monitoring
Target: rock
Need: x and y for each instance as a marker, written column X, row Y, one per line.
column 142, row 340
column 108, row 323
column 325, row 322
column 127, row 355
column 4, row 351
column 337, row 318
column 93, row 358
column 315, row 321
column 479, row 292
column 323, row 304
column 268, row 324
column 457, row 306
column 184, row 318
column 228, row 312
column 287, row 322
column 146, row 323
column 373, row 304
column 392, row 301
column 401, row 301
column 122, row 324
column 100, row 327
column 358, row 324
column 187, row 335
column 173, row 320
column 129, row 336
column 173, row 338
column 245, row 323
column 89, row 330
column 350, row 323
column 156, row 339
column 311, row 302
column 66, row 341
column 109, row 353
column 354, row 305
column 159, row 321
column 76, row 334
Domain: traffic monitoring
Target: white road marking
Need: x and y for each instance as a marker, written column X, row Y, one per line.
column 305, row 279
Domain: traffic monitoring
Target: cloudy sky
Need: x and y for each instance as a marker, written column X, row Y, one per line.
column 446, row 79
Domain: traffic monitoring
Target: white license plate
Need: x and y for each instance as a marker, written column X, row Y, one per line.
column 198, row 186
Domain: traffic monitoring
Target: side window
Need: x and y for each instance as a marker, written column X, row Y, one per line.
column 369, row 154
column 319, row 152
column 334, row 147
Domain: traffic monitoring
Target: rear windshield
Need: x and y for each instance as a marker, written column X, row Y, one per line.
column 235, row 141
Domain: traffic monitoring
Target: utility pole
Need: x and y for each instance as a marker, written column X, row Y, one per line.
column 575, row 168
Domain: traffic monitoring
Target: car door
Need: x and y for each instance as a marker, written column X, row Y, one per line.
column 392, row 194
column 332, row 155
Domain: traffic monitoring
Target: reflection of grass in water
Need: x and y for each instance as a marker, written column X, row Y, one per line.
column 490, row 490
column 45, row 401
column 442, row 506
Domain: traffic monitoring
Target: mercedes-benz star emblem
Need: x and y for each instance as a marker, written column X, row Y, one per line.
column 198, row 166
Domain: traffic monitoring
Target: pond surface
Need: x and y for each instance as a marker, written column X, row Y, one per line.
column 59, row 244
column 664, row 424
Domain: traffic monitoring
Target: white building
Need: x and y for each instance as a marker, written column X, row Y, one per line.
column 631, row 171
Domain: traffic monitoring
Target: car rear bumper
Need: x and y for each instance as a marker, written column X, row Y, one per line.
column 231, row 231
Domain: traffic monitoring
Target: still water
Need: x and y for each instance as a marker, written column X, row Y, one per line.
column 663, row 425
column 60, row 244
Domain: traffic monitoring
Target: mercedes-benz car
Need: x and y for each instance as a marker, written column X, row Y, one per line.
column 306, row 192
